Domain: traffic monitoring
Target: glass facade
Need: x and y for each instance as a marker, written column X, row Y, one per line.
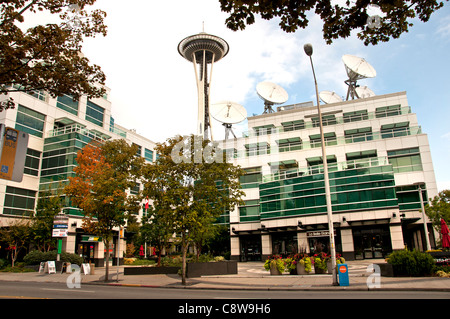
column 67, row 103
column 353, row 189
column 32, row 162
column 94, row 113
column 19, row 201
column 30, row 121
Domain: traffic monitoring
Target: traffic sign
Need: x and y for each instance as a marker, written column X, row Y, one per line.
column 13, row 149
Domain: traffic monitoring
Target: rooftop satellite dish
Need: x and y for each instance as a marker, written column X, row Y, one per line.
column 228, row 113
column 329, row 97
column 357, row 69
column 272, row 94
column 364, row 92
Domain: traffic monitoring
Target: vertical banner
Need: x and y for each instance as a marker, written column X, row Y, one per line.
column 14, row 146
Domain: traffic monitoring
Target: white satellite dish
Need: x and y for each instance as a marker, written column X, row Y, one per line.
column 357, row 69
column 272, row 94
column 329, row 97
column 364, row 92
column 228, row 113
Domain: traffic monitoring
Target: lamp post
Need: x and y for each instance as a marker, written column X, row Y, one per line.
column 425, row 228
column 309, row 51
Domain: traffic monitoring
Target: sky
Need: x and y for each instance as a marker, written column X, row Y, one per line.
column 153, row 88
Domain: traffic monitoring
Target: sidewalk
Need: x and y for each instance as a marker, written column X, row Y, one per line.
column 251, row 276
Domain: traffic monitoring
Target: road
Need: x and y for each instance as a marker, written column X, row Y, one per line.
column 25, row 290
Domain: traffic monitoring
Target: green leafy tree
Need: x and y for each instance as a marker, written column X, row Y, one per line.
column 48, row 57
column 48, row 206
column 439, row 207
column 339, row 18
column 104, row 174
column 183, row 183
column 17, row 237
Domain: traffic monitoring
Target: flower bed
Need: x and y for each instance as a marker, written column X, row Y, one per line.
column 301, row 264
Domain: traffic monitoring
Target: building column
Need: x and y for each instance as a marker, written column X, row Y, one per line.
column 348, row 248
column 302, row 241
column 235, row 248
column 69, row 243
column 99, row 254
column 396, row 237
column 266, row 245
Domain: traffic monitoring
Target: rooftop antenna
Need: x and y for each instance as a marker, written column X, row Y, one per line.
column 364, row 92
column 329, row 97
column 203, row 50
column 228, row 113
column 272, row 94
column 357, row 69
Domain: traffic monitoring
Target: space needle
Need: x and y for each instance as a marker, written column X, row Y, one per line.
column 203, row 50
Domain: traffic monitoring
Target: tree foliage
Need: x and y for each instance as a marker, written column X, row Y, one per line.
column 48, row 57
column 439, row 207
column 104, row 174
column 339, row 18
column 187, row 191
column 16, row 236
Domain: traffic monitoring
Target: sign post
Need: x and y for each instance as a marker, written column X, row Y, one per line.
column 60, row 230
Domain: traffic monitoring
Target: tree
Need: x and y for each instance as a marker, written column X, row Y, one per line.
column 438, row 208
column 48, row 206
column 184, row 186
column 157, row 229
column 48, row 57
column 104, row 174
column 17, row 237
column 338, row 19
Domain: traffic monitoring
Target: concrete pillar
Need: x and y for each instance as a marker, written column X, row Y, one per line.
column 348, row 248
column 302, row 241
column 235, row 248
column 396, row 237
column 266, row 245
column 69, row 243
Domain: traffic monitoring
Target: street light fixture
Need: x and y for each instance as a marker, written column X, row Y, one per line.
column 309, row 51
column 425, row 227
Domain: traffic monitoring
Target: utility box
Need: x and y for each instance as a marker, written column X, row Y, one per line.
column 343, row 275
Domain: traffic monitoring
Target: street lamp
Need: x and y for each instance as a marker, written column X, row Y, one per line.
column 309, row 51
column 427, row 237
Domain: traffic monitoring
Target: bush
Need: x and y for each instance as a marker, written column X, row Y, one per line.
column 35, row 257
column 411, row 263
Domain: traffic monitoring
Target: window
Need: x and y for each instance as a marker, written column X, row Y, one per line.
column 355, row 116
column 289, row 144
column 148, row 155
column 386, row 111
column 32, row 162
column 252, row 178
column 66, row 103
column 139, row 150
column 30, row 121
column 326, row 120
column 330, row 139
column 249, row 212
column 94, row 113
column 395, row 130
column 293, row 125
column 19, row 201
column 358, row 135
column 405, row 160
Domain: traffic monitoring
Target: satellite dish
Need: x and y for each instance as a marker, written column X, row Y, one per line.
column 228, row 113
column 329, row 97
column 364, row 92
column 357, row 69
column 272, row 94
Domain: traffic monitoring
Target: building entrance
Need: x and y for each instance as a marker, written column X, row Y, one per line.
column 372, row 242
column 250, row 248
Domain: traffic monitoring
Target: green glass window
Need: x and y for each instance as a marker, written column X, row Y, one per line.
column 32, row 162
column 19, row 201
column 355, row 116
column 148, row 155
column 405, row 160
column 94, row 113
column 386, row 111
column 66, row 103
column 30, row 121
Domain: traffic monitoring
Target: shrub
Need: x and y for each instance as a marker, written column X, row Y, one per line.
column 35, row 257
column 411, row 263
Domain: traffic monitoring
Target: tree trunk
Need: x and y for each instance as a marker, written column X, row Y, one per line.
column 183, row 265
column 106, row 242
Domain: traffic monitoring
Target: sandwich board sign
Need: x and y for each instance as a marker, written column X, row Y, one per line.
column 13, row 151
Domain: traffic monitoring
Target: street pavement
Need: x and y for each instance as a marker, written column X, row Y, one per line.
column 251, row 276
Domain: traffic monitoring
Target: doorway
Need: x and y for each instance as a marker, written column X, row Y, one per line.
column 372, row 242
column 250, row 248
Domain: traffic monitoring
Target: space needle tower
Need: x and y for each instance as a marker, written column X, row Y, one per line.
column 203, row 50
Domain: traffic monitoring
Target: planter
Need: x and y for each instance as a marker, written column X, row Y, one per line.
column 301, row 270
column 211, row 268
column 274, row 270
column 146, row 270
column 318, row 270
